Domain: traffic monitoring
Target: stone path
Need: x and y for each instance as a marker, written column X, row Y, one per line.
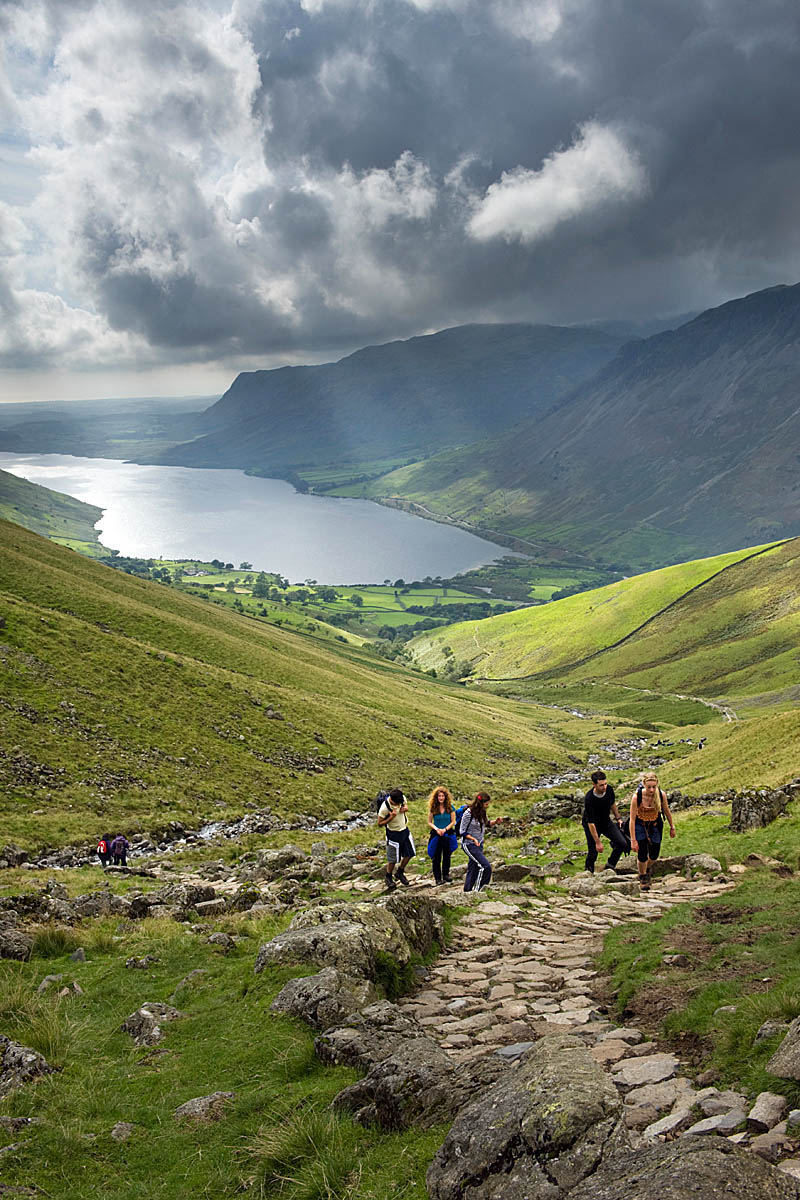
column 521, row 967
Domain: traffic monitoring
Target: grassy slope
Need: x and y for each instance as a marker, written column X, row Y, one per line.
column 52, row 514
column 534, row 641
column 731, row 640
column 148, row 705
column 276, row 1127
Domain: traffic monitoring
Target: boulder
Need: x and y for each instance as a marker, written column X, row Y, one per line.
column 341, row 944
column 410, row 1079
column 755, row 809
column 211, row 908
column 144, row 1025
column 419, row 917
column 96, row 904
column 122, row 1131
column 556, row 808
column 325, row 999
column 767, row 1111
column 536, row 1133
column 785, row 1062
column 203, row 1108
column 652, row 1068
column 723, row 1122
column 712, row 1169
column 270, row 863
column 510, row 873
column 14, row 942
column 686, row 864
column 12, row 856
column 381, row 926
column 19, row 1064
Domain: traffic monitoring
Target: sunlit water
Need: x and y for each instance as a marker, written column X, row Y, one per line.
column 179, row 512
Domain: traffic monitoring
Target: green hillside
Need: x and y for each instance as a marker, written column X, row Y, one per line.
column 550, row 639
column 52, row 514
column 709, row 645
column 128, row 703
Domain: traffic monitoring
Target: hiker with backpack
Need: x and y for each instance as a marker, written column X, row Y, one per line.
column 472, row 829
column 649, row 807
column 442, row 841
column 119, row 848
column 104, row 851
column 393, row 816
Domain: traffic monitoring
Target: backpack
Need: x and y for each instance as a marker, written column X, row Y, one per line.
column 102, row 848
column 379, row 799
column 459, row 814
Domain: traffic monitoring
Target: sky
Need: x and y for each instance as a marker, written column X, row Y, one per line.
column 188, row 190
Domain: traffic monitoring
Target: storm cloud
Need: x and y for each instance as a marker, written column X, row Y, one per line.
column 245, row 179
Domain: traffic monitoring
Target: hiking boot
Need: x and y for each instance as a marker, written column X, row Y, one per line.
column 400, row 876
column 644, row 883
column 447, row 879
column 390, row 884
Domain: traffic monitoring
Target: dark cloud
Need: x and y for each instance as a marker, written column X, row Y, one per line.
column 306, row 176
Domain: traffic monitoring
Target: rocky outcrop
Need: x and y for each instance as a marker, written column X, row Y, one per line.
column 756, row 808
column 19, row 1065
column 409, row 1078
column 785, row 1062
column 341, row 944
column 713, row 1169
column 536, row 1134
column 349, row 936
column 324, row 1000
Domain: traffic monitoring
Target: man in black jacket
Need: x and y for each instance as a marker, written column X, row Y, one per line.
column 599, row 807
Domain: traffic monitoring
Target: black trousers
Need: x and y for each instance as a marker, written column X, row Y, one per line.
column 441, row 857
column 620, row 844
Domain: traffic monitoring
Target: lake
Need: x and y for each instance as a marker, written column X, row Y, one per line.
column 180, row 512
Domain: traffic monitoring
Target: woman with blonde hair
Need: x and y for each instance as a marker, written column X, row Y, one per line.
column 442, row 841
column 649, row 807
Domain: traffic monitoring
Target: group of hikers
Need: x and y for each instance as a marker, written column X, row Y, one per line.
column 113, row 850
column 450, row 826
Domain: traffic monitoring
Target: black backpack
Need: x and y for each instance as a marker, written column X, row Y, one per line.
column 379, row 799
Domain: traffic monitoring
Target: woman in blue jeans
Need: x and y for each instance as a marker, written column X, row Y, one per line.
column 471, row 831
column 649, row 807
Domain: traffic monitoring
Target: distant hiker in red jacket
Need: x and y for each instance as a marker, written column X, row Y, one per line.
column 104, row 850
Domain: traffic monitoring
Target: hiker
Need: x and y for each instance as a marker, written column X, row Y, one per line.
column 104, row 851
column 472, row 829
column 599, row 806
column 392, row 814
column 648, row 808
column 442, row 840
column 119, row 849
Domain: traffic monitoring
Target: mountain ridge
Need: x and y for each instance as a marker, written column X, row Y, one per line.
column 401, row 398
column 683, row 444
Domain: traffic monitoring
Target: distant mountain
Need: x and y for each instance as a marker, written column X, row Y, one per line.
column 401, row 399
column 687, row 442
column 130, row 428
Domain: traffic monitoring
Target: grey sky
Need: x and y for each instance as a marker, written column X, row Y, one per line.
column 192, row 188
